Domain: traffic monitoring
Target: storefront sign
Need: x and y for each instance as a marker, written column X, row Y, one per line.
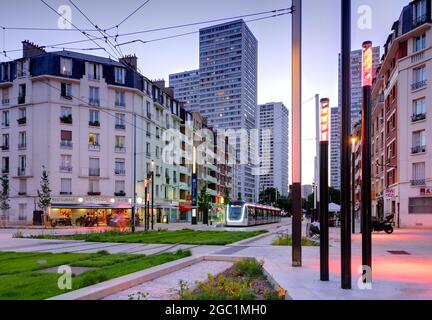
column 89, row 200
column 426, row 192
column 390, row 193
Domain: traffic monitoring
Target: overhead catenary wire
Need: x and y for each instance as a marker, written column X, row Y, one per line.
column 289, row 11
column 116, row 51
column 83, row 32
column 129, row 16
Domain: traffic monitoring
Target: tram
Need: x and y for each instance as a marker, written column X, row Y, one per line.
column 243, row 214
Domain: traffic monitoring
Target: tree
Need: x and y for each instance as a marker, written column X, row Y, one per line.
column 334, row 195
column 269, row 196
column 4, row 197
column 227, row 197
column 44, row 193
column 204, row 203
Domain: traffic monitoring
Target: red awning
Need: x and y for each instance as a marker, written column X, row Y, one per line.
column 185, row 207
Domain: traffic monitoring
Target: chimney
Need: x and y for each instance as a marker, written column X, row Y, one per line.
column 30, row 49
column 131, row 61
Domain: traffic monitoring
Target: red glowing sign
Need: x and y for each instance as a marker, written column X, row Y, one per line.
column 367, row 64
column 325, row 120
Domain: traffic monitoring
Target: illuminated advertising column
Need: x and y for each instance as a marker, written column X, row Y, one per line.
column 324, row 190
column 366, row 199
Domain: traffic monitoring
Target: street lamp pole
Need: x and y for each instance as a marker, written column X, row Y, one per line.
column 366, row 156
column 145, row 205
column 194, row 190
column 324, row 191
column 134, row 178
column 346, row 277
column 152, row 194
column 296, row 133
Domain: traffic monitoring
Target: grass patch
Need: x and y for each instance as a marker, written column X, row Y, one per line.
column 244, row 281
column 20, row 279
column 185, row 236
column 286, row 240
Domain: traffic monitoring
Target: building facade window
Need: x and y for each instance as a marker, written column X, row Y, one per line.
column 5, row 119
column 66, row 163
column 94, row 96
column 94, row 71
column 419, row 141
column 94, row 167
column 5, row 97
column 66, row 139
column 5, row 142
column 5, row 165
column 22, row 140
column 66, row 115
column 66, row 186
column 94, row 118
column 120, row 75
column 22, row 211
column 120, row 100
column 419, row 78
column 65, row 66
column 94, row 187
column 120, row 188
column 22, row 94
column 420, row 43
column 94, row 141
column 66, row 91
column 120, row 167
column 419, row 174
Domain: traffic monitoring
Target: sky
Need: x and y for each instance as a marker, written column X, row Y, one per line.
column 321, row 40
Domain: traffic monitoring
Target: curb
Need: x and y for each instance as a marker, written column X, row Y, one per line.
column 104, row 289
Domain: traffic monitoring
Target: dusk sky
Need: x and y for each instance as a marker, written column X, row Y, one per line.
column 321, row 40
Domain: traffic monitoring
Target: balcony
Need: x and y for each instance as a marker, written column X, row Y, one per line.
column 120, row 194
column 66, row 96
column 419, row 20
column 418, row 182
column 23, row 193
column 5, row 102
column 22, row 121
column 149, row 116
column 66, row 119
column 5, row 148
column 94, row 102
column 120, row 149
column 66, row 144
column 65, row 193
column 418, row 149
column 94, row 147
column 120, row 104
column 21, row 172
column 67, row 169
column 92, row 193
column 120, row 172
column 22, row 100
column 120, row 127
column 5, row 124
column 94, row 172
column 22, row 146
column 418, row 85
column 5, row 170
column 94, row 124
column 148, row 134
column 418, row 117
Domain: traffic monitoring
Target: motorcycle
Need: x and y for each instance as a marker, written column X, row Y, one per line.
column 385, row 225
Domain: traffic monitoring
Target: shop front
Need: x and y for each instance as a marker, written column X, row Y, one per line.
column 91, row 212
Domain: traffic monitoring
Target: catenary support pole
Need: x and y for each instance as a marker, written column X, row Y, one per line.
column 296, row 133
column 346, row 277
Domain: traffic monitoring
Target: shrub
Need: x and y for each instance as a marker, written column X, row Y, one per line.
column 18, row 235
column 249, row 267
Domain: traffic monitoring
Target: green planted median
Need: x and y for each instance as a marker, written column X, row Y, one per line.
column 185, row 236
column 21, row 277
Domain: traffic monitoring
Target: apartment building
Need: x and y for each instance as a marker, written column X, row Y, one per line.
column 377, row 146
column 356, row 107
column 274, row 147
column 227, row 91
column 74, row 114
column 406, row 69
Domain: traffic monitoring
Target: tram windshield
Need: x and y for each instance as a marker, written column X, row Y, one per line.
column 235, row 212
